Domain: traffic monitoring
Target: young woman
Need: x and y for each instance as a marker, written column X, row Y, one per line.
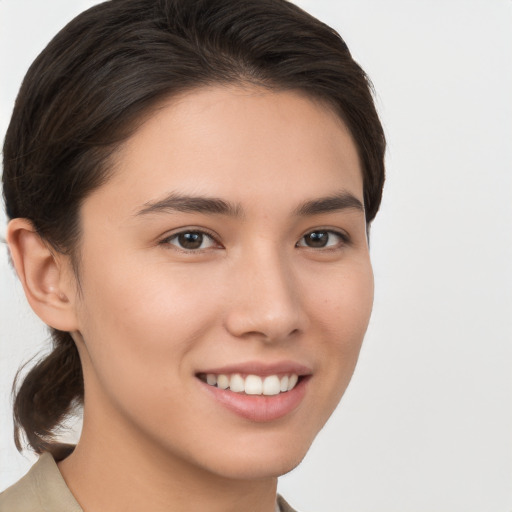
column 190, row 185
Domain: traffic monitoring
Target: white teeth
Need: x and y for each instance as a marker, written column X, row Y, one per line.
column 253, row 384
column 223, row 381
column 236, row 383
column 292, row 381
column 271, row 385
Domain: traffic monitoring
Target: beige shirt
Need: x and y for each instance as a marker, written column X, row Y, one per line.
column 43, row 489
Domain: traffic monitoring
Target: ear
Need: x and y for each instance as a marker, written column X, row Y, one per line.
column 46, row 276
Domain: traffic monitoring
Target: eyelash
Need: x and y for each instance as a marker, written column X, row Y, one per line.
column 345, row 240
column 201, row 232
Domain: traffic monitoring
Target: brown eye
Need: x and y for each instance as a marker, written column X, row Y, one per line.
column 320, row 239
column 317, row 239
column 191, row 240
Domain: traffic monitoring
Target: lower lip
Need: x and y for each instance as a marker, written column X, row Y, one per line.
column 260, row 408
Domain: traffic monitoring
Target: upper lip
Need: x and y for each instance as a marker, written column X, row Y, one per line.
column 263, row 369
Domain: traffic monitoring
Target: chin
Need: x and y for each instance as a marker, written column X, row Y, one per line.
column 260, row 463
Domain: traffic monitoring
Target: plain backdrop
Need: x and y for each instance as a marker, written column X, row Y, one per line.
column 426, row 424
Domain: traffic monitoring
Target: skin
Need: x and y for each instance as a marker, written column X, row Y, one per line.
column 148, row 315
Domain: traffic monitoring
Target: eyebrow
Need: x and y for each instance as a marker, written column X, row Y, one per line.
column 175, row 202
column 196, row 204
column 337, row 202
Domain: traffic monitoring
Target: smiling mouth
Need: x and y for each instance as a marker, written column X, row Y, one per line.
column 269, row 385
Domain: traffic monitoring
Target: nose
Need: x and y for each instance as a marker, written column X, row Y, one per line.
column 265, row 299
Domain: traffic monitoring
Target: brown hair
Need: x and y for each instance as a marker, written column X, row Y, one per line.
column 89, row 88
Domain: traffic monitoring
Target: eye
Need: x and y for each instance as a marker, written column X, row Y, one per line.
column 323, row 238
column 191, row 240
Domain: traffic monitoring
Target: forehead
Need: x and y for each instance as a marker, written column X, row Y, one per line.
column 246, row 142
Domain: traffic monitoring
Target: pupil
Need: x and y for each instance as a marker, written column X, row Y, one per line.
column 190, row 240
column 317, row 239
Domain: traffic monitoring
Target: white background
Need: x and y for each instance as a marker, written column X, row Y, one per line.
column 426, row 425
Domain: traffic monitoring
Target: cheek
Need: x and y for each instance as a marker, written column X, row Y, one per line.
column 135, row 323
column 344, row 303
column 135, row 295
column 343, row 311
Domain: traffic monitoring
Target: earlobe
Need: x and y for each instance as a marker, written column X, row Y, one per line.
column 44, row 275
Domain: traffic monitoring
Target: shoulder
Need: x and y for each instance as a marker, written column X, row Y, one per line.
column 40, row 490
column 21, row 496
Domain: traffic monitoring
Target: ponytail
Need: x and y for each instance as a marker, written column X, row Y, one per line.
column 47, row 395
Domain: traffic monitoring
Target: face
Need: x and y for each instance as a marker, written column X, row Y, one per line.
column 225, row 281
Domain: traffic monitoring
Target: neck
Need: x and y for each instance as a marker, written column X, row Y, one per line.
column 112, row 470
